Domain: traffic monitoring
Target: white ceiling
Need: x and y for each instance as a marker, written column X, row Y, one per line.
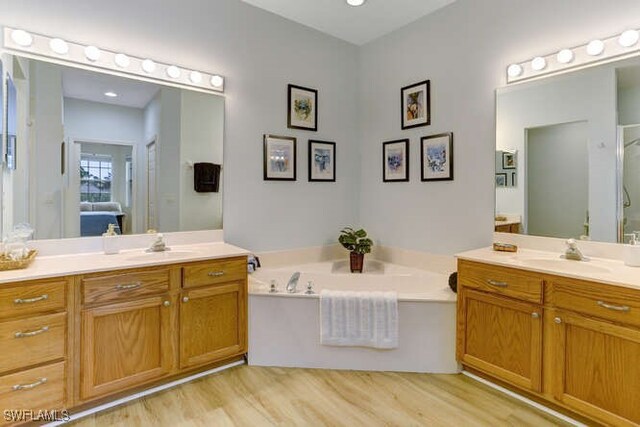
column 357, row 25
column 91, row 86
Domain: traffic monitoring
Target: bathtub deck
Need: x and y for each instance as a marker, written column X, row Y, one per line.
column 250, row 396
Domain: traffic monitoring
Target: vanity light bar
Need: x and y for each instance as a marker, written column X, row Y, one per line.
column 598, row 51
column 60, row 51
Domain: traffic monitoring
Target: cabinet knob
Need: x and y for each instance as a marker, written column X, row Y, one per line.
column 166, row 303
column 535, row 315
column 185, row 299
column 557, row 320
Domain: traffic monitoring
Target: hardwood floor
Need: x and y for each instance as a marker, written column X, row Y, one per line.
column 255, row 396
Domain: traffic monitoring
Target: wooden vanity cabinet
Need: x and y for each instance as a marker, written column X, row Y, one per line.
column 577, row 349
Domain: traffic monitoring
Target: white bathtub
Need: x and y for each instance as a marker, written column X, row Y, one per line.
column 284, row 329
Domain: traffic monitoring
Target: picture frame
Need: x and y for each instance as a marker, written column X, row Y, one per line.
column 395, row 161
column 302, row 108
column 509, row 160
column 514, row 176
column 322, row 161
column 436, row 157
column 501, row 180
column 279, row 158
column 415, row 105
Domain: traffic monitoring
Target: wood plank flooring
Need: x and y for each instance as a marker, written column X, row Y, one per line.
column 256, row 396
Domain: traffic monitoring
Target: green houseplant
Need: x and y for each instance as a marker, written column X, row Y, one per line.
column 356, row 242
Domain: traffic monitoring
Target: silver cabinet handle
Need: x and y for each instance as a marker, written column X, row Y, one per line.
column 29, row 386
column 166, row 303
column 557, row 320
column 498, row 284
column 30, row 300
column 216, row 273
column 128, row 286
column 624, row 308
column 185, row 299
column 31, row 333
column 535, row 315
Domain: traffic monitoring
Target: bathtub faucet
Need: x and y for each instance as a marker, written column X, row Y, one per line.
column 293, row 282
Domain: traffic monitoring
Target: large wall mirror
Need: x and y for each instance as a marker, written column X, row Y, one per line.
column 568, row 154
column 85, row 149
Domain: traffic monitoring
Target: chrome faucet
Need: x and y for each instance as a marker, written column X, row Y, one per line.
column 293, row 282
column 572, row 252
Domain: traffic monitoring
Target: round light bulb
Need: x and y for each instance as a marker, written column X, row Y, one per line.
column 595, row 47
column 216, row 81
column 629, row 38
column 565, row 56
column 21, row 38
column 538, row 63
column 59, row 46
column 148, row 66
column 355, row 2
column 195, row 77
column 514, row 70
column 173, row 71
column 122, row 60
column 92, row 53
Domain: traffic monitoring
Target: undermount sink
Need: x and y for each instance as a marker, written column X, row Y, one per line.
column 150, row 256
column 564, row 265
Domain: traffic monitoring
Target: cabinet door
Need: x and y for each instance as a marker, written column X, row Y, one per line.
column 595, row 367
column 213, row 324
column 501, row 337
column 125, row 345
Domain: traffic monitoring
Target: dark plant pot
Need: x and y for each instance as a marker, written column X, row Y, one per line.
column 357, row 262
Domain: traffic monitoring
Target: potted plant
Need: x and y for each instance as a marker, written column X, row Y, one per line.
column 356, row 242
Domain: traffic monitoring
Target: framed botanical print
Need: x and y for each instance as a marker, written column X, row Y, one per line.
column 322, row 161
column 509, row 159
column 416, row 105
column 395, row 161
column 279, row 158
column 302, row 108
column 436, row 157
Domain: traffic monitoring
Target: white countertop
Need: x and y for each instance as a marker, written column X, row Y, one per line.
column 82, row 263
column 602, row 270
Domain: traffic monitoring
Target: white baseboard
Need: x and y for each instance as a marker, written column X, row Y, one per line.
column 144, row 393
column 525, row 400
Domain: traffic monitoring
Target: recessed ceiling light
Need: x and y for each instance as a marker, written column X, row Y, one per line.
column 111, row 94
column 355, row 2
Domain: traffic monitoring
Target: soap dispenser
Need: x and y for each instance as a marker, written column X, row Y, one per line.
column 632, row 251
column 110, row 241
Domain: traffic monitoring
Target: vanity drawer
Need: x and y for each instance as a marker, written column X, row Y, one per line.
column 32, row 298
column 213, row 272
column 27, row 342
column 125, row 285
column 35, row 389
column 607, row 302
column 499, row 280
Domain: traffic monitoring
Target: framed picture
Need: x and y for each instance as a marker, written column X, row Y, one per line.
column 436, row 157
column 11, row 152
column 509, row 159
column 513, row 179
column 279, row 158
column 395, row 161
column 302, row 108
column 322, row 161
column 501, row 180
column 416, row 105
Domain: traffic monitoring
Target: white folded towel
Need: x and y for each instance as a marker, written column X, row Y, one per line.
column 363, row 319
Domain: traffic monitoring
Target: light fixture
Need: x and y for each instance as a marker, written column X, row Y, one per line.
column 565, row 56
column 173, row 71
column 538, row 63
column 111, row 94
column 92, row 53
column 22, row 38
column 148, row 66
column 355, row 2
column 629, row 38
column 195, row 77
column 59, row 46
column 514, row 70
column 217, row 81
column 121, row 60
column 595, row 47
